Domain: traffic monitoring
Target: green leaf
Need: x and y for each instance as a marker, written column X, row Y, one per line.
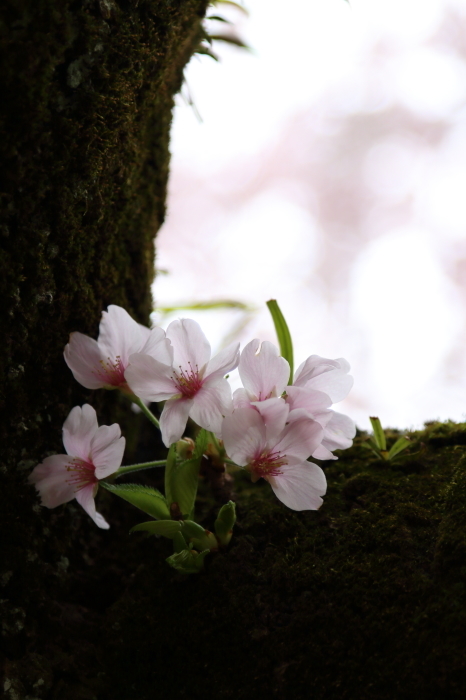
column 182, row 478
column 217, row 18
column 188, row 561
column 401, row 444
column 166, row 528
column 225, row 521
column 206, row 306
column 230, row 39
column 179, row 543
column 232, row 4
column 145, row 498
column 379, row 435
column 199, row 536
column 283, row 334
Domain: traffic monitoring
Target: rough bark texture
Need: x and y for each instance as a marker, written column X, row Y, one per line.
column 363, row 600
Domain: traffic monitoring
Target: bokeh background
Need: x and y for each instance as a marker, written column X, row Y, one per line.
column 329, row 172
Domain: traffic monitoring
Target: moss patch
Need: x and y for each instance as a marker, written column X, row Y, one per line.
column 365, row 598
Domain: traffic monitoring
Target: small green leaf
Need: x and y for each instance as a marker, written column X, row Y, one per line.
column 182, row 478
column 230, row 39
column 179, row 543
column 145, row 498
column 199, row 536
column 224, row 524
column 379, row 435
column 283, row 334
column 188, row 561
column 232, row 4
column 217, row 18
column 401, row 444
column 166, row 528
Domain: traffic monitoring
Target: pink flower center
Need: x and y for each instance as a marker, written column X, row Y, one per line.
column 187, row 382
column 111, row 371
column 267, row 464
column 81, row 473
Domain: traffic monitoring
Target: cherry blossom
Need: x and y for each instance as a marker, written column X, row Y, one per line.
column 93, row 453
column 102, row 363
column 273, row 443
column 320, row 374
column 263, row 371
column 192, row 384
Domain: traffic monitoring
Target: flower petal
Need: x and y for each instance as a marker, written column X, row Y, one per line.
column 300, row 487
column 191, row 349
column 301, row 436
column 323, row 453
column 263, row 372
column 311, row 400
column 328, row 376
column 107, row 448
column 274, row 413
column 241, row 398
column 223, row 362
column 211, row 403
column 339, row 432
column 243, row 435
column 173, row 419
column 119, row 334
column 158, row 346
column 82, row 355
column 149, row 379
column 78, row 431
column 85, row 498
column 51, row 479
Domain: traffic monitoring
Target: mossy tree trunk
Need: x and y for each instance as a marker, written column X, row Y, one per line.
column 86, row 105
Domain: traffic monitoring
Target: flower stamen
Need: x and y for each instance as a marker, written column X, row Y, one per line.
column 188, row 382
column 111, row 372
column 267, row 464
column 82, row 473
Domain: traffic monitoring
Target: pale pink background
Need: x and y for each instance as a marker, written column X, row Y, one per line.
column 329, row 172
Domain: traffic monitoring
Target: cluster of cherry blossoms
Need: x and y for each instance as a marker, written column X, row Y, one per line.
column 270, row 427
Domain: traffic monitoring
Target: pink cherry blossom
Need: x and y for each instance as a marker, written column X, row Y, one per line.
column 263, row 371
column 192, row 384
column 273, row 443
column 102, row 363
column 93, row 454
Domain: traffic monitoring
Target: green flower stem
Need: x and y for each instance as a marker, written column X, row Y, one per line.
column 231, row 463
column 139, row 467
column 146, row 411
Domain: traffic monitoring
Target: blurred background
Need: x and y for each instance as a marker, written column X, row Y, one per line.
column 329, row 172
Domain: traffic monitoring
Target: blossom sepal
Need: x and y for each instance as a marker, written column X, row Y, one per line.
column 189, row 561
column 146, row 498
column 224, row 524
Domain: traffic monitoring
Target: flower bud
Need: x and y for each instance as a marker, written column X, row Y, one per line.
column 224, row 524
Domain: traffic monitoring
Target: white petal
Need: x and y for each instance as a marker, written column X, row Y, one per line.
column 78, row 431
column 323, row 453
column 149, row 379
column 191, row 349
column 310, row 399
column 119, row 334
column 300, row 487
column 336, row 384
column 301, row 436
column 223, row 362
column 51, row 479
column 243, row 435
column 158, row 346
column 107, row 448
column 83, row 356
column 173, row 420
column 85, row 498
column 274, row 413
column 241, row 398
column 211, row 403
column 312, row 367
column 339, row 432
column 263, row 372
